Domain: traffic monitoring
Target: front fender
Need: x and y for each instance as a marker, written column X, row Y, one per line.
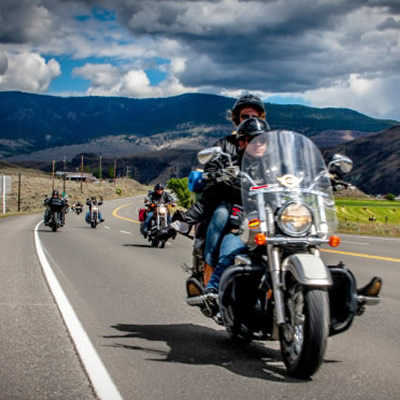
column 307, row 269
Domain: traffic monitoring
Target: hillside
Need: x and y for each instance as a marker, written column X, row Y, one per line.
column 36, row 185
column 32, row 122
column 376, row 161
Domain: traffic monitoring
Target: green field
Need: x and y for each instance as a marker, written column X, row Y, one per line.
column 378, row 217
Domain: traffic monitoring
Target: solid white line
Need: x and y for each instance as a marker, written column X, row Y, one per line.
column 98, row 375
column 370, row 237
column 345, row 241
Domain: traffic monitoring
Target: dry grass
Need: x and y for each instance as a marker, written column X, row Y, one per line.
column 36, row 186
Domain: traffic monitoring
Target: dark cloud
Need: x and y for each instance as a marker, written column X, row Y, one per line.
column 3, row 63
column 282, row 45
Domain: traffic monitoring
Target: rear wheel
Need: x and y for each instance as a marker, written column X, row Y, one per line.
column 304, row 336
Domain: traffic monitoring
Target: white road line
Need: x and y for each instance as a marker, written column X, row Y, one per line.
column 98, row 375
column 126, row 233
column 345, row 241
column 107, row 227
column 369, row 237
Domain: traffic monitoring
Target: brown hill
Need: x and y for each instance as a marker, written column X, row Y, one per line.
column 376, row 161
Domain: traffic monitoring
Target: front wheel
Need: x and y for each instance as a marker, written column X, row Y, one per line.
column 304, row 336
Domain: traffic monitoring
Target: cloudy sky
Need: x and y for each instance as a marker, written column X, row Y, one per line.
column 322, row 53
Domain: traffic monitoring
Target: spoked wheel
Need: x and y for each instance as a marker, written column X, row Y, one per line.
column 304, row 337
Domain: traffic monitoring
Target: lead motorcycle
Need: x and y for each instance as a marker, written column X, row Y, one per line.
column 280, row 288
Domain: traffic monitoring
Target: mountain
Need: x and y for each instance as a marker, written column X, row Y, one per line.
column 376, row 161
column 116, row 126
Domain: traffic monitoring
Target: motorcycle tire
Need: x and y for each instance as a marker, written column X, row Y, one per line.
column 304, row 337
column 93, row 224
column 162, row 244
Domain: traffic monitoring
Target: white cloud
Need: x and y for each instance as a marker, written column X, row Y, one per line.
column 376, row 97
column 108, row 80
column 28, row 72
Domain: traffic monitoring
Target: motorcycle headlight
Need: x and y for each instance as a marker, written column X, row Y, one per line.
column 295, row 219
column 162, row 210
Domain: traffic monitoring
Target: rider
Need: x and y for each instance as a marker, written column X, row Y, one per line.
column 231, row 245
column 93, row 201
column 158, row 195
column 57, row 203
column 245, row 107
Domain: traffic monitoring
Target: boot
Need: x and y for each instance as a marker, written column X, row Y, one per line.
column 208, row 271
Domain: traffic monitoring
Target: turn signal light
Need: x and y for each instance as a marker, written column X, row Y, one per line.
column 260, row 239
column 334, row 241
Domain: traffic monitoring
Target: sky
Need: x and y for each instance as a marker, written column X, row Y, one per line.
column 320, row 53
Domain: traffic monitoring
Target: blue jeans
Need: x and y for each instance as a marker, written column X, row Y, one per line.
column 149, row 217
column 231, row 246
column 215, row 233
column 88, row 217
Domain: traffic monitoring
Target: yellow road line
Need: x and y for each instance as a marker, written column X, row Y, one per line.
column 115, row 213
column 361, row 255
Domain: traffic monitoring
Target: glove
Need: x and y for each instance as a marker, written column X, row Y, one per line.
column 178, row 216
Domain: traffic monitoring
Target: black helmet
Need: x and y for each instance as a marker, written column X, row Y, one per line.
column 248, row 100
column 159, row 186
column 55, row 192
column 252, row 127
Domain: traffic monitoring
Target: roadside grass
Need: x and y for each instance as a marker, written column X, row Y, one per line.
column 370, row 217
column 36, row 186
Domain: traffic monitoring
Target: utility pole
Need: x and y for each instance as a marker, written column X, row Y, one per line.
column 115, row 170
column 100, row 170
column 53, row 169
column 81, row 172
column 19, row 192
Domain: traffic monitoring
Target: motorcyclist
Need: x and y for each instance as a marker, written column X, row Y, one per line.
column 55, row 203
column 245, row 107
column 219, row 199
column 158, row 195
column 93, row 202
column 231, row 245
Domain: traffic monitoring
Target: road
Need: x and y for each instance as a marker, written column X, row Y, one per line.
column 129, row 298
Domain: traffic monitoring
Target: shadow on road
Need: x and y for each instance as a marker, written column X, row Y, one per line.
column 138, row 245
column 211, row 348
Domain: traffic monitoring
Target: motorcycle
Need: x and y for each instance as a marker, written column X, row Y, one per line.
column 55, row 210
column 157, row 229
column 280, row 288
column 93, row 215
column 77, row 208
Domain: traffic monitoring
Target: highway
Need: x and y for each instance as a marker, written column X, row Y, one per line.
column 139, row 338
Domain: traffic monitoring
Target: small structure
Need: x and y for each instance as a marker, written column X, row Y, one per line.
column 76, row 176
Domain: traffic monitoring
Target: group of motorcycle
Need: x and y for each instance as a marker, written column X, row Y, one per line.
column 57, row 207
column 280, row 288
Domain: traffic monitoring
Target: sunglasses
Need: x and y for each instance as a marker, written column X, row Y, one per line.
column 247, row 116
column 256, row 141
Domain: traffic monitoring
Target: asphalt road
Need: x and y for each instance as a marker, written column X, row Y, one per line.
column 129, row 298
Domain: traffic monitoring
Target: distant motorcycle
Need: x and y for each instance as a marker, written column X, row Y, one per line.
column 93, row 215
column 158, row 224
column 55, row 210
column 77, row 208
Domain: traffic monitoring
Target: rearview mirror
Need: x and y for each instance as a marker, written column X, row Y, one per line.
column 204, row 156
column 344, row 163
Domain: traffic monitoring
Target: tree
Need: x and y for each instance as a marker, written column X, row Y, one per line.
column 180, row 187
column 390, row 196
column 111, row 171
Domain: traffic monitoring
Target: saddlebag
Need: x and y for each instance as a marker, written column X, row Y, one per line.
column 142, row 214
column 342, row 298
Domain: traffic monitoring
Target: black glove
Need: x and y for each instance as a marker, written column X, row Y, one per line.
column 178, row 216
